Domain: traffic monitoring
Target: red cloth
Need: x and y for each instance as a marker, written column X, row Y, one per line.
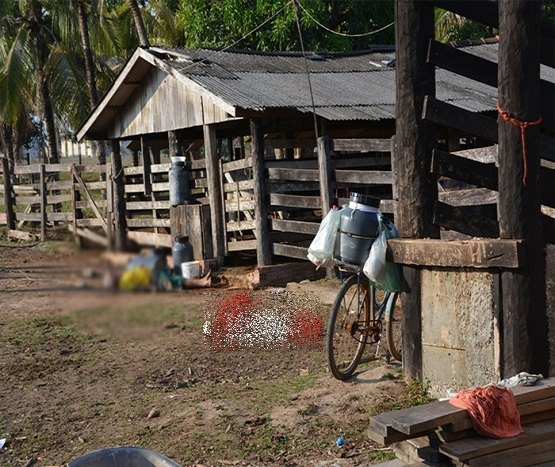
column 492, row 409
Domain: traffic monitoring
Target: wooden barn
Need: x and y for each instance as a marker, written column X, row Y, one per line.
column 272, row 140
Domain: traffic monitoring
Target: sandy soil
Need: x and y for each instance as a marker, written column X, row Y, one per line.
column 82, row 369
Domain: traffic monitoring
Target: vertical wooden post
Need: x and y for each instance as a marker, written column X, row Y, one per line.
column 74, row 192
column 173, row 144
column 325, row 172
column 145, row 151
column 525, row 344
column 120, row 223
column 134, row 157
column 43, row 204
column 213, row 177
column 263, row 246
column 394, row 185
column 110, row 206
column 417, row 189
column 8, row 189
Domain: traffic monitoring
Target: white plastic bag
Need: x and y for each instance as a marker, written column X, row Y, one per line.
column 385, row 275
column 320, row 251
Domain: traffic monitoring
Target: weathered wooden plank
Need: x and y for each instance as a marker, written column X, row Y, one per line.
column 92, row 203
column 308, row 175
column 148, row 223
column 452, row 116
column 93, row 222
column 538, row 453
column 466, row 170
column 242, row 205
column 468, row 197
column 288, row 143
column 26, row 169
column 54, row 199
column 283, row 225
column 290, row 251
column 241, row 245
column 236, row 226
column 292, row 187
column 364, row 177
column 476, row 446
column 89, row 235
column 279, row 275
column 295, row 201
column 59, row 216
column 419, row 419
column 137, row 170
column 476, row 253
column 241, row 185
column 150, row 238
column 361, row 145
column 475, row 124
column 28, row 216
column 24, row 200
column 237, row 165
column 484, row 71
column 142, row 205
column 160, row 168
column 459, row 219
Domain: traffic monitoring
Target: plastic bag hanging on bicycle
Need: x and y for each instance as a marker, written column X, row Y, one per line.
column 385, row 275
column 320, row 251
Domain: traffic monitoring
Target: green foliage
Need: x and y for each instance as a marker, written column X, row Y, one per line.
column 220, row 23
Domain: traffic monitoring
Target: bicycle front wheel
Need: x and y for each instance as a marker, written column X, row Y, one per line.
column 348, row 326
column 394, row 327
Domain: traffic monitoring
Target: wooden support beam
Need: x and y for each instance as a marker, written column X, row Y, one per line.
column 43, row 204
column 326, row 173
column 173, row 144
column 465, row 220
column 8, row 194
column 263, row 251
column 475, row 253
column 525, row 338
column 145, row 152
column 417, row 188
column 90, row 199
column 463, row 169
column 213, row 175
column 475, row 124
column 120, row 222
column 482, row 70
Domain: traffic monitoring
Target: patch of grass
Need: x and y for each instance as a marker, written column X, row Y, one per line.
column 381, row 455
column 416, row 394
column 43, row 333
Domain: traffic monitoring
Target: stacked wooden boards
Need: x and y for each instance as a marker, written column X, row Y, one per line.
column 452, row 436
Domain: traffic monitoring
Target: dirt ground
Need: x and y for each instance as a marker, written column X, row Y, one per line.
column 84, row 368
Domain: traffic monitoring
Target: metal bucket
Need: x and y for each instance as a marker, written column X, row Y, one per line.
column 123, row 457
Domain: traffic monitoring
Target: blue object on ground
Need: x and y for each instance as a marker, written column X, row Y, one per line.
column 340, row 441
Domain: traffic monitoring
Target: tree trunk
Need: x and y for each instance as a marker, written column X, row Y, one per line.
column 48, row 117
column 139, row 24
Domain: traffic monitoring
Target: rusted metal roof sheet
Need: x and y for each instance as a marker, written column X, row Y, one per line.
column 357, row 86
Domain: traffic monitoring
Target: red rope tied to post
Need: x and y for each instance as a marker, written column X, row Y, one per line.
column 522, row 125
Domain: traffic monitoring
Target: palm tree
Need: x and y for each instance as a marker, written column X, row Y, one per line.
column 139, row 23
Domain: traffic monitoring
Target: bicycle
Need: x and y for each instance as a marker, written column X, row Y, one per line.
column 356, row 323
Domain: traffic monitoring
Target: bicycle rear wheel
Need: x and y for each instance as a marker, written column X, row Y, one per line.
column 394, row 328
column 348, row 327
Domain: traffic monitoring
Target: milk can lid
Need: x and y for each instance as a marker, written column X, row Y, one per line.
column 364, row 199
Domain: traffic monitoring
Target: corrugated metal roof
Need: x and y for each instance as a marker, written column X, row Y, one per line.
column 345, row 86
